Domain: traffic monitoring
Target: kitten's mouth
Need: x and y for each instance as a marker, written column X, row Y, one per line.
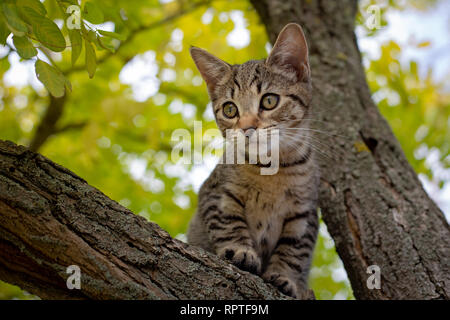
column 258, row 130
column 252, row 131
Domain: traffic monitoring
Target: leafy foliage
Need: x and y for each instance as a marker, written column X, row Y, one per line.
column 33, row 25
column 410, row 102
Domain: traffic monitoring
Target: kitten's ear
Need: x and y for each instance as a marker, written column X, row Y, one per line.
column 211, row 68
column 290, row 52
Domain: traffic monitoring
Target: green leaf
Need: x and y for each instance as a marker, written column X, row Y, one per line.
column 71, row 1
column 24, row 47
column 4, row 64
column 34, row 5
column 91, row 60
column 92, row 37
column 105, row 44
column 15, row 31
column 93, row 13
column 4, row 31
column 16, row 24
column 76, row 43
column 114, row 35
column 48, row 33
column 51, row 78
column 67, row 85
column 31, row 16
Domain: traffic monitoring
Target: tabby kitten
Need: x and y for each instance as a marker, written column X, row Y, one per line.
column 266, row 224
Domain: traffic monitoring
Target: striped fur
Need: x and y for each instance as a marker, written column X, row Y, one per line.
column 266, row 224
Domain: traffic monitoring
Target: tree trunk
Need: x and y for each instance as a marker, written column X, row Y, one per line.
column 371, row 199
column 51, row 219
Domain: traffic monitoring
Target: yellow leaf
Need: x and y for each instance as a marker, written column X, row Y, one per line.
column 424, row 44
column 361, row 146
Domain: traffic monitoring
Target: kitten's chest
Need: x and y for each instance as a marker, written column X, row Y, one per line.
column 265, row 213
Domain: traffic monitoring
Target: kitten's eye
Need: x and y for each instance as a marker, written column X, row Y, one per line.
column 269, row 101
column 230, row 110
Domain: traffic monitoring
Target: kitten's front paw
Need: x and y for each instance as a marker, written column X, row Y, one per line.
column 283, row 283
column 244, row 258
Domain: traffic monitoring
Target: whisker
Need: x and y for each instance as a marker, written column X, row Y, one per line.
column 310, row 144
column 320, row 131
column 313, row 138
column 310, row 119
column 317, row 141
column 216, row 144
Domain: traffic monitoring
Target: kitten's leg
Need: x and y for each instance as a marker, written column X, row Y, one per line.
column 289, row 264
column 228, row 232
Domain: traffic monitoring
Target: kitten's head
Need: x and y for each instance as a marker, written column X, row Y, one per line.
column 270, row 93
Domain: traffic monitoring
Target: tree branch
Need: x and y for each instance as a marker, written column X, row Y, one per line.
column 71, row 126
column 47, row 126
column 51, row 219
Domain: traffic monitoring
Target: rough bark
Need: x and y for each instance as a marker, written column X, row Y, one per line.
column 371, row 199
column 51, row 219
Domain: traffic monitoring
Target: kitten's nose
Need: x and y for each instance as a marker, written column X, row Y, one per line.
column 249, row 131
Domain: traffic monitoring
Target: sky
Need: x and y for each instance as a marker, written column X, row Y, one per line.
column 411, row 27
